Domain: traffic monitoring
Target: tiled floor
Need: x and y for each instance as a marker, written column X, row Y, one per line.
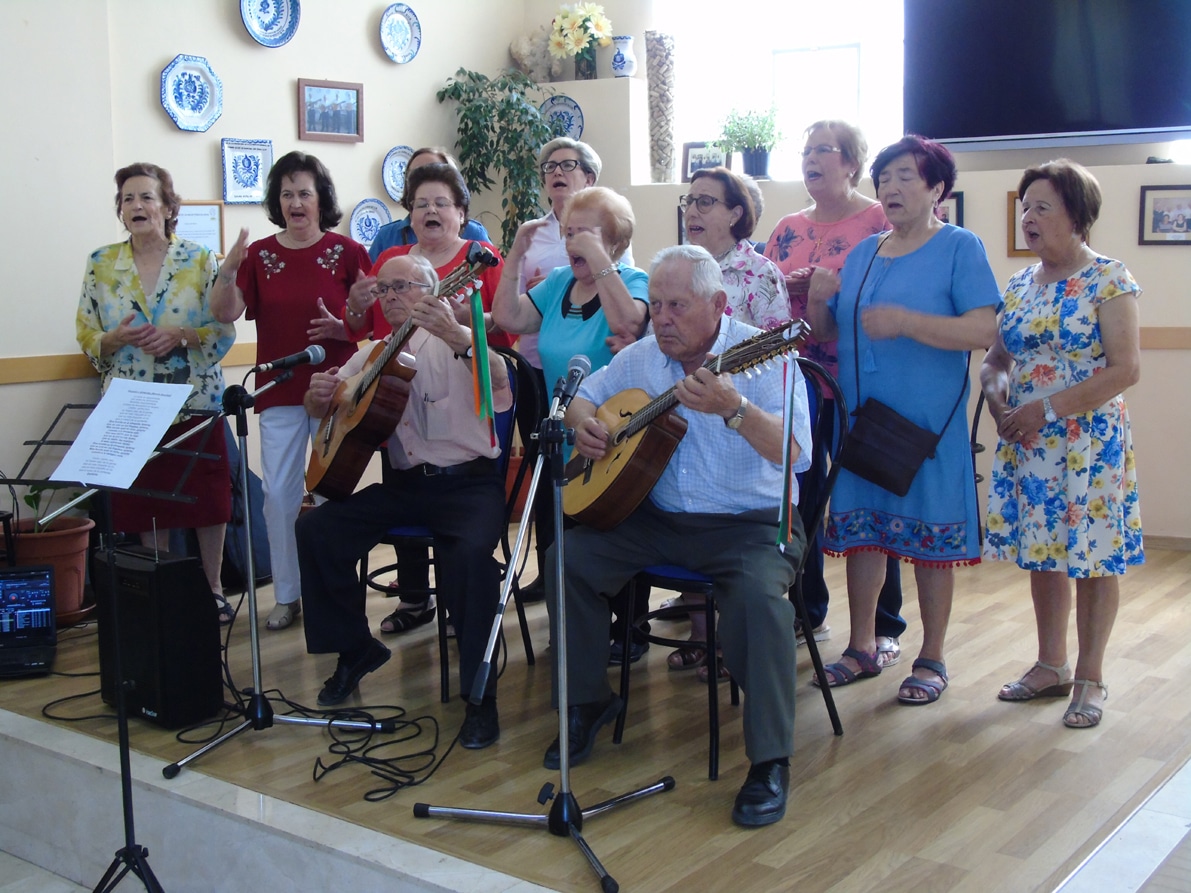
column 21, row 877
column 1134, row 853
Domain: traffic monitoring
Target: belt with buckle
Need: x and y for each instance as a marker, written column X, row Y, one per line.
column 478, row 466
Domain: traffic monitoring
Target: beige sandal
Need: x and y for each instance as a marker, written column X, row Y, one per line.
column 1023, row 691
column 283, row 616
column 1080, row 714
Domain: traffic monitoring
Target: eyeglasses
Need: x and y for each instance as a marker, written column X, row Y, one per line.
column 440, row 203
column 703, row 202
column 397, row 287
column 567, row 165
column 820, row 150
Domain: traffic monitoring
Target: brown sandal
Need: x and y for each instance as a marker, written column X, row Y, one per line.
column 1021, row 690
column 688, row 657
column 721, row 675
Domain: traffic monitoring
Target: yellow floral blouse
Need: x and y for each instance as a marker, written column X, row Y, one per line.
column 112, row 289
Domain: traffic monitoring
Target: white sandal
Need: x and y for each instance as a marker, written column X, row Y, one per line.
column 889, row 651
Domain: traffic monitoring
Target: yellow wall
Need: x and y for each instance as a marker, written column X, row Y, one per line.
column 90, row 76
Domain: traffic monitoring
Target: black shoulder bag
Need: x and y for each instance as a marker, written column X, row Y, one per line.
column 883, row 446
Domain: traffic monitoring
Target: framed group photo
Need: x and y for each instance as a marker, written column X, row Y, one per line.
column 1014, row 239
column 697, row 156
column 330, row 110
column 1165, row 216
column 951, row 209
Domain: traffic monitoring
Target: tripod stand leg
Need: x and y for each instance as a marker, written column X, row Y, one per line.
column 607, row 883
column 173, row 769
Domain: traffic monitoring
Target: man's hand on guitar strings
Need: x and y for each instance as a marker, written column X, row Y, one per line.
column 704, row 391
column 591, row 438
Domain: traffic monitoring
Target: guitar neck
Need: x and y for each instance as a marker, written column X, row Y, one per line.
column 748, row 353
column 399, row 339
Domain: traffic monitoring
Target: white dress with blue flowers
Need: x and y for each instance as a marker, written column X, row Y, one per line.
column 1065, row 499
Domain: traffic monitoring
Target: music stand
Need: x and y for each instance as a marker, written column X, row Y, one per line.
column 566, row 816
column 132, row 857
column 257, row 711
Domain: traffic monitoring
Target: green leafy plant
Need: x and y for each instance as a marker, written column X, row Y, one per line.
column 500, row 130
column 748, row 131
column 39, row 493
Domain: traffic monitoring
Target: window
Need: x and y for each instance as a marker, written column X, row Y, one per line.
column 807, row 60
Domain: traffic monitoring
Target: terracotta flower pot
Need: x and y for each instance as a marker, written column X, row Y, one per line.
column 63, row 545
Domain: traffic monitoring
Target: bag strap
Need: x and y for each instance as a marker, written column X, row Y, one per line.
column 856, row 342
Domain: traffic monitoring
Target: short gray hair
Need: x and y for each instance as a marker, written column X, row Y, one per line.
column 429, row 274
column 706, row 278
column 588, row 159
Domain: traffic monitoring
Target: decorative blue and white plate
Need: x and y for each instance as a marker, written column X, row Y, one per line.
column 400, row 33
column 246, row 166
column 393, row 172
column 271, row 23
column 191, row 93
column 563, row 115
column 367, row 219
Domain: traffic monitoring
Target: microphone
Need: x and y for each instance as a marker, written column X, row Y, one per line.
column 478, row 254
column 566, row 388
column 313, row 354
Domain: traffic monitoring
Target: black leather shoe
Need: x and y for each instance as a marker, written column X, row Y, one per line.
column 762, row 800
column 534, row 592
column 481, row 727
column 636, row 652
column 583, row 721
column 349, row 673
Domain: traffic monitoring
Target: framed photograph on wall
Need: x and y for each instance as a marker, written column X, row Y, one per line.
column 951, row 209
column 330, row 110
column 202, row 222
column 1013, row 238
column 696, row 156
column 1165, row 216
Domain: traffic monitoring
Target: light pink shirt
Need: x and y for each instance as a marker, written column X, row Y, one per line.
column 439, row 425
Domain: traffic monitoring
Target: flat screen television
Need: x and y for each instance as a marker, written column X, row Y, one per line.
column 1011, row 73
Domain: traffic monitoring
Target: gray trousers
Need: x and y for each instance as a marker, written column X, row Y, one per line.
column 752, row 576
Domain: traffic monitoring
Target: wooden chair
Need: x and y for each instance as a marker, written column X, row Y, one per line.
column 681, row 579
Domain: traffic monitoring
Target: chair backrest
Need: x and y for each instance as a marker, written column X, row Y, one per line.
column 828, row 429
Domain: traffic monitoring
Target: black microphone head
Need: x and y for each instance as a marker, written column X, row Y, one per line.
column 317, row 352
column 580, row 363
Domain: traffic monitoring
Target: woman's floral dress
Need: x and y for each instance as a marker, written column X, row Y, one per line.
column 1064, row 499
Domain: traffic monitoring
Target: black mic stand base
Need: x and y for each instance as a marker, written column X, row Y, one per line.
column 132, row 858
column 566, row 817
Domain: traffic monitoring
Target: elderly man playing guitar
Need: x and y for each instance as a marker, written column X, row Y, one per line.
column 714, row 509
column 446, row 479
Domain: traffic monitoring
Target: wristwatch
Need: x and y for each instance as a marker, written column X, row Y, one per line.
column 466, row 355
column 734, row 422
column 1049, row 411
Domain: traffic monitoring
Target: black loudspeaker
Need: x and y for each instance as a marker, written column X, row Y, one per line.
column 169, row 636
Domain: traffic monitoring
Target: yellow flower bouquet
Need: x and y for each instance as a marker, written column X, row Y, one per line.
column 576, row 31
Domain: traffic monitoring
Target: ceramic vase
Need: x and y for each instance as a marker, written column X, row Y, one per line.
column 585, row 64
column 624, row 62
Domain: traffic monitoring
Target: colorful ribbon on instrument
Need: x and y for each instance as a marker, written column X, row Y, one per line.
column 789, row 506
column 482, row 376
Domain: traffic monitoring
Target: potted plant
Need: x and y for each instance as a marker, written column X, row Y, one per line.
column 63, row 543
column 575, row 32
column 753, row 134
column 501, row 130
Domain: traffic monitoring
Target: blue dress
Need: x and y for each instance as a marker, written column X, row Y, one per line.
column 936, row 522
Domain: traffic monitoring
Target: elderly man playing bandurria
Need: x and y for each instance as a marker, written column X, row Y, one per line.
column 714, row 510
column 445, row 479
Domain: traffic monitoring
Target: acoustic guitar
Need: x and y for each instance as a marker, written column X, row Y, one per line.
column 644, row 434
column 367, row 407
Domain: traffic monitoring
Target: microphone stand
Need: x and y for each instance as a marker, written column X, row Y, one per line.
column 565, row 818
column 257, row 711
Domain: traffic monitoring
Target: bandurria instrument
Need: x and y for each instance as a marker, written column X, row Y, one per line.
column 645, row 434
column 367, row 407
